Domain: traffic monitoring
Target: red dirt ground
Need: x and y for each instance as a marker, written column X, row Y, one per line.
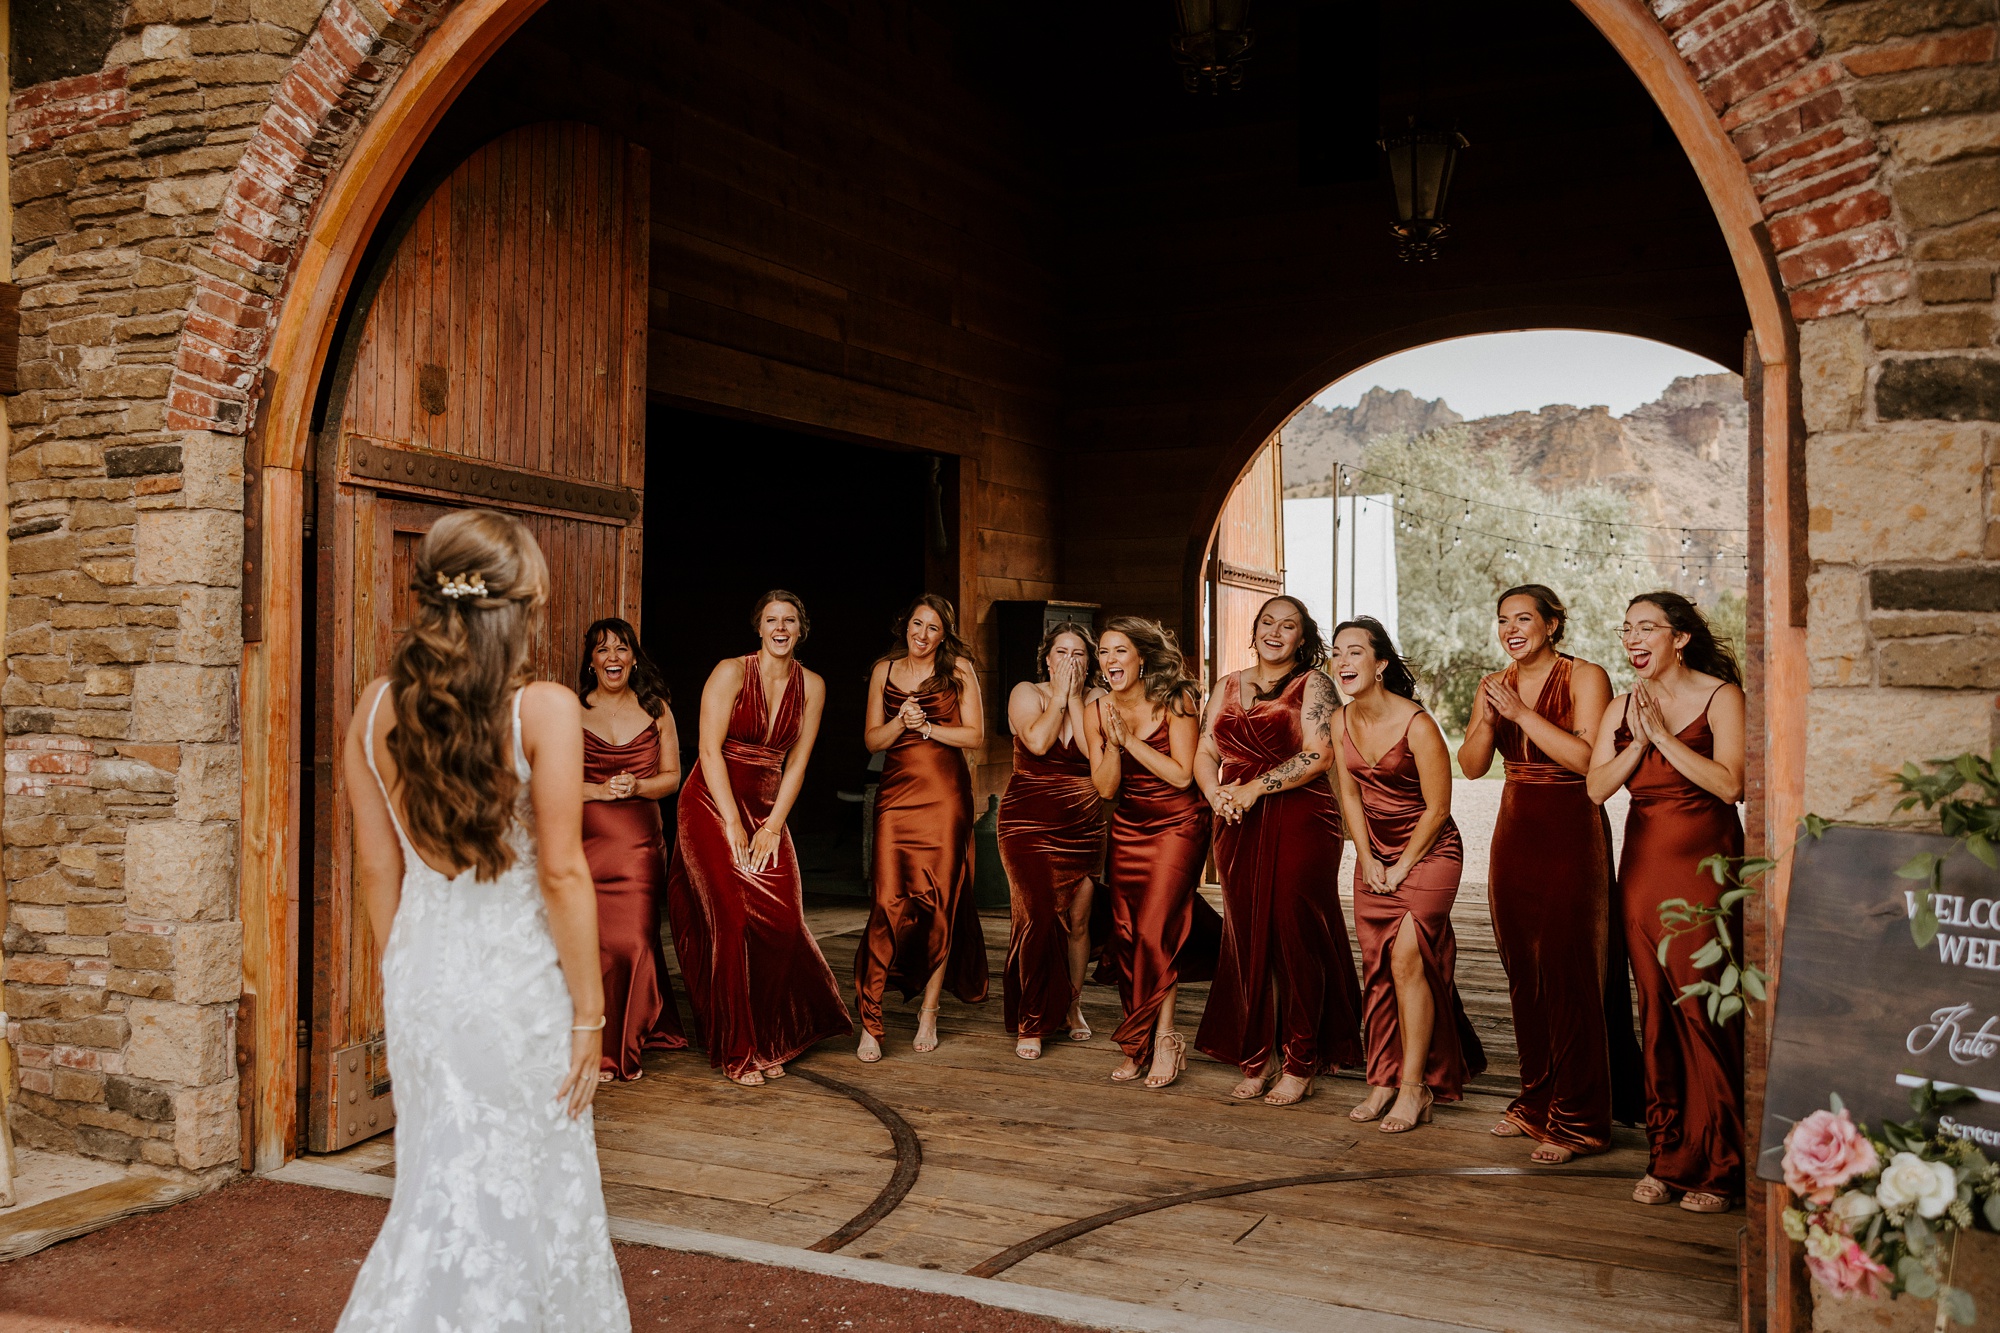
column 258, row 1256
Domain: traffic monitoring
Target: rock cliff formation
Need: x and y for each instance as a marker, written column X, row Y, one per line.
column 1681, row 461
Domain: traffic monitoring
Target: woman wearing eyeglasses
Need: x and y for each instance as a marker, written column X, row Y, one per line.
column 1677, row 743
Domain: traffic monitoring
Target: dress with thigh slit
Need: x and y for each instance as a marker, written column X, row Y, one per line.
column 625, row 845
column 1286, row 967
column 923, row 915
column 1552, row 901
column 1051, row 841
column 1694, row 1068
column 1392, row 801
column 761, row 990
column 1162, row 930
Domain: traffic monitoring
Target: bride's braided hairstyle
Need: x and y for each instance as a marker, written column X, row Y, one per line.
column 481, row 582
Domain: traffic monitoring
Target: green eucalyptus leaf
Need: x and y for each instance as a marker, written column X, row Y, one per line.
column 1753, row 983
column 1815, row 826
column 1731, row 1006
column 1733, row 897
column 1726, row 983
column 1917, row 867
column 1665, row 945
column 1708, row 955
column 1957, row 1303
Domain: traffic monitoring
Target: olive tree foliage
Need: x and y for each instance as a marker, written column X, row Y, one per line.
column 1460, row 543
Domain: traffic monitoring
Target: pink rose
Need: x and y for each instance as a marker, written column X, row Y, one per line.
column 1823, row 1152
column 1850, row 1272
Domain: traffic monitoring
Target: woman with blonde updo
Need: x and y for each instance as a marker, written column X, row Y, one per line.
column 467, row 793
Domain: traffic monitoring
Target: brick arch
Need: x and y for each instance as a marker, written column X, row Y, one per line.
column 358, row 100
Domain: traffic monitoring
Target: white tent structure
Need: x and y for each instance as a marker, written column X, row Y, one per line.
column 1364, row 566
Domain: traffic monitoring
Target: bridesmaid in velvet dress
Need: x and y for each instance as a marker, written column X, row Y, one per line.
column 1677, row 743
column 1051, row 842
column 623, row 783
column 923, row 930
column 1142, row 738
column 1551, row 887
column 761, row 990
column 1408, row 858
column 1285, row 1005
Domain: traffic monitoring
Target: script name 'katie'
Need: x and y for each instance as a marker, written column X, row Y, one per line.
column 1955, row 911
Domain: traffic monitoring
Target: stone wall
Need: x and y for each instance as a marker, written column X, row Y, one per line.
column 123, row 781
column 158, row 202
column 1871, row 131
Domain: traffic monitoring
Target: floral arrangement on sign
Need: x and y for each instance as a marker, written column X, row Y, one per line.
column 1879, row 1214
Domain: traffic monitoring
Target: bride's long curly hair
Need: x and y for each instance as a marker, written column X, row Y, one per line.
column 452, row 680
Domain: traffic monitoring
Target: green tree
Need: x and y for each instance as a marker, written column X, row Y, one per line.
column 1455, row 556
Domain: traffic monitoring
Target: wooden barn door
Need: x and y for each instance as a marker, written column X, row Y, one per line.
column 497, row 358
column 1247, row 564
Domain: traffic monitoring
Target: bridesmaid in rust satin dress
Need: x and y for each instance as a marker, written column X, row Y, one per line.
column 761, row 989
column 923, row 930
column 1408, row 859
column 623, row 785
column 1551, row 887
column 1142, row 738
column 1052, row 843
column 1677, row 742
column 1285, row 1004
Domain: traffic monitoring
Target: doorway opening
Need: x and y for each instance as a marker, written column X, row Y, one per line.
column 735, row 509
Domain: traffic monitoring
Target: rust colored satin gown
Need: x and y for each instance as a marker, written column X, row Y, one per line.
column 626, row 847
column 1553, row 903
column 1283, row 937
column 1162, row 930
column 1051, row 840
column 1694, row 1068
column 1392, row 798
column 923, row 914
column 761, row 991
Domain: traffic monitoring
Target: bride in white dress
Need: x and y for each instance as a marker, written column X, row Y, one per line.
column 467, row 790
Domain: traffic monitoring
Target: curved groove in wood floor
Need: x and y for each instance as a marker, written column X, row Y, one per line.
column 909, row 1161
column 1034, row 1245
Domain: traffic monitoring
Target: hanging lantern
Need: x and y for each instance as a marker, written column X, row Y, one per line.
column 1420, row 167
column 1213, row 44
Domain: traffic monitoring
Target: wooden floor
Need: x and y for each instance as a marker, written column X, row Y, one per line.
column 1012, row 1149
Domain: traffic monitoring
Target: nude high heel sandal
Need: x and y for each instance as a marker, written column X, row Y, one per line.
column 1396, row 1125
column 918, row 1044
column 1176, row 1043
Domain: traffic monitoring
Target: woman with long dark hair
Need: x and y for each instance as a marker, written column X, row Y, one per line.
column 1142, row 738
column 923, row 930
column 1051, row 842
column 467, row 793
column 1551, row 888
column 761, row 989
column 1285, row 1005
column 1677, row 743
column 1408, row 859
column 624, row 781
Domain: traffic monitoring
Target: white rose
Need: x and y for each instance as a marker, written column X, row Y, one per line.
column 1908, row 1179
column 1853, row 1209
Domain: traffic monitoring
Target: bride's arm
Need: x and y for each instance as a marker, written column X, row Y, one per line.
column 552, row 736
column 378, row 853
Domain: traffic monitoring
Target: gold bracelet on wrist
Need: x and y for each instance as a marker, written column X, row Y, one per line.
column 598, row 1026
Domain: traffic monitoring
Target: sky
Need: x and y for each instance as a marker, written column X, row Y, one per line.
column 1494, row 373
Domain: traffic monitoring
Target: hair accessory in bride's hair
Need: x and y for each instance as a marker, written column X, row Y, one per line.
column 465, row 585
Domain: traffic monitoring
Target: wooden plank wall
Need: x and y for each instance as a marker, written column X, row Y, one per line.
column 845, row 240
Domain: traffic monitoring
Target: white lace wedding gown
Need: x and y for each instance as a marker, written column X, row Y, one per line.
column 498, row 1220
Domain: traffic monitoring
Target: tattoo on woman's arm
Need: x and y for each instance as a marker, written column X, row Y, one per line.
column 1291, row 768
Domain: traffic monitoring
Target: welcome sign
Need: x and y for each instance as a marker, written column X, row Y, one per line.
column 1862, row 1011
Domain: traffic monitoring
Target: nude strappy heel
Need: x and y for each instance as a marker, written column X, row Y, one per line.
column 1396, row 1125
column 1176, row 1043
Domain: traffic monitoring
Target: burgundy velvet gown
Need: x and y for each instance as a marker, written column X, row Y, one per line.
column 1284, row 942
column 1051, row 840
column 1392, row 800
column 1162, row 930
column 760, row 988
column 923, row 914
column 1552, row 900
column 1694, row 1068
column 626, row 846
